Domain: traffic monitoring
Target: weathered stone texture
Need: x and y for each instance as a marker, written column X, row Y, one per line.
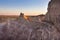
column 53, row 13
column 20, row 30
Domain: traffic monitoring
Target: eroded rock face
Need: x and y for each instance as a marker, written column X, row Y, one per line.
column 53, row 13
column 28, row 30
column 15, row 30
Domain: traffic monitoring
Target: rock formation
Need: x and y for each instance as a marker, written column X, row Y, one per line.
column 36, row 18
column 53, row 13
column 15, row 30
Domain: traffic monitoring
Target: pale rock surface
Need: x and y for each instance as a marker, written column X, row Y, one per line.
column 53, row 13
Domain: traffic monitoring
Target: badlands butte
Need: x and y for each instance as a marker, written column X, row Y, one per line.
column 33, row 27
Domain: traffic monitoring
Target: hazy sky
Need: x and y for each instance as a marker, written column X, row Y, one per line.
column 29, row 7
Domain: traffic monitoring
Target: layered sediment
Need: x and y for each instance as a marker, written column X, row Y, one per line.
column 53, row 13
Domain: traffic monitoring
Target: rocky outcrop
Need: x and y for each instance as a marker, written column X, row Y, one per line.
column 53, row 13
column 37, row 18
column 22, row 29
column 17, row 30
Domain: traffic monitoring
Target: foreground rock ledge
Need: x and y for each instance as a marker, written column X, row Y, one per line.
column 27, row 30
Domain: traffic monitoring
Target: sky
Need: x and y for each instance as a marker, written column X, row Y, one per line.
column 28, row 7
